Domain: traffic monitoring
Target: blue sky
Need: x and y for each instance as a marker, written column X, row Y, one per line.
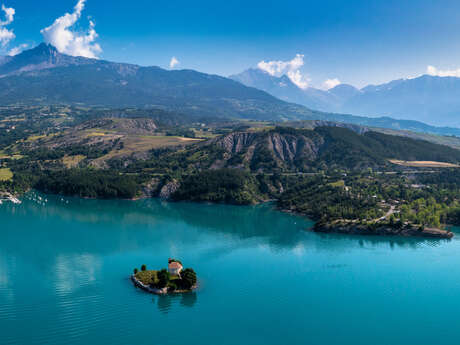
column 357, row 42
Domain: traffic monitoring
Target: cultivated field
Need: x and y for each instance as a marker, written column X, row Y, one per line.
column 424, row 164
column 5, row 174
column 72, row 161
column 136, row 144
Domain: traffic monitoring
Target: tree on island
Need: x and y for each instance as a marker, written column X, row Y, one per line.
column 172, row 286
column 163, row 278
column 143, row 268
column 188, row 278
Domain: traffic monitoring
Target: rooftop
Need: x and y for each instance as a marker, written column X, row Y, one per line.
column 174, row 264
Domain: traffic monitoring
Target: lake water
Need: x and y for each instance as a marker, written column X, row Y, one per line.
column 64, row 267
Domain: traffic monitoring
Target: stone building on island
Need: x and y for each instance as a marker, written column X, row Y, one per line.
column 174, row 267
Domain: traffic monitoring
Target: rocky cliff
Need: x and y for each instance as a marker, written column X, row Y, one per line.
column 270, row 149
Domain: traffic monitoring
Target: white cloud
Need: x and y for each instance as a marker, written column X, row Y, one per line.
column 431, row 70
column 9, row 15
column 16, row 50
column 290, row 68
column 174, row 62
column 331, row 83
column 6, row 36
column 278, row 68
column 74, row 43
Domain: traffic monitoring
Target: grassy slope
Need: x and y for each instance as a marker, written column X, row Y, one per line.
column 5, row 174
column 147, row 277
column 143, row 143
column 72, row 161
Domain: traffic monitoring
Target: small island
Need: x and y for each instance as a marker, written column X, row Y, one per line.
column 175, row 279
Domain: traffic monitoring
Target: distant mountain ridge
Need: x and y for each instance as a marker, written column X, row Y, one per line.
column 430, row 99
column 427, row 98
column 283, row 88
column 42, row 75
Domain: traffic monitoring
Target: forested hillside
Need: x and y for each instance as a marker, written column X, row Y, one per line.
column 329, row 173
column 297, row 150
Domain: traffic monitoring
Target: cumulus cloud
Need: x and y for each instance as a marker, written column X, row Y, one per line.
column 71, row 42
column 290, row 68
column 331, row 83
column 9, row 15
column 431, row 70
column 174, row 62
column 6, row 35
column 16, row 50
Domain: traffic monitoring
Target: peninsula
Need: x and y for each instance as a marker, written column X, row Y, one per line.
column 381, row 229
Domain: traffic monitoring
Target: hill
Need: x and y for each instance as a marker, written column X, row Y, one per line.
column 130, row 133
column 130, row 158
column 288, row 150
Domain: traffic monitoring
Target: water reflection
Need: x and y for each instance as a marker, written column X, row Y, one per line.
column 74, row 272
column 83, row 224
column 7, row 265
column 334, row 241
column 68, row 261
column 74, row 226
column 166, row 302
column 188, row 299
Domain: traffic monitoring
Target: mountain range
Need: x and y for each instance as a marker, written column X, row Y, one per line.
column 427, row 98
column 283, row 88
column 43, row 75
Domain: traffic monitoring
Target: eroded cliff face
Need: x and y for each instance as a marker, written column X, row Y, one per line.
column 168, row 189
column 281, row 150
column 291, row 148
column 237, row 142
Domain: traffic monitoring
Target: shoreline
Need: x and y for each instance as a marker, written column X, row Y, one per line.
column 164, row 291
column 349, row 229
column 382, row 230
column 9, row 197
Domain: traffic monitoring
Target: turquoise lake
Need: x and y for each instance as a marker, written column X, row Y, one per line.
column 65, row 263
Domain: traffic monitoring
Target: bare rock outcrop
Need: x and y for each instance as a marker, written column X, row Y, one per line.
column 284, row 148
column 237, row 142
column 168, row 189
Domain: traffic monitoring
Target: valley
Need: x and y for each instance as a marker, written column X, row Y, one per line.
column 88, row 128
column 331, row 172
column 302, row 156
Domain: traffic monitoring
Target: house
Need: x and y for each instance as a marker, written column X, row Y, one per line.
column 174, row 267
